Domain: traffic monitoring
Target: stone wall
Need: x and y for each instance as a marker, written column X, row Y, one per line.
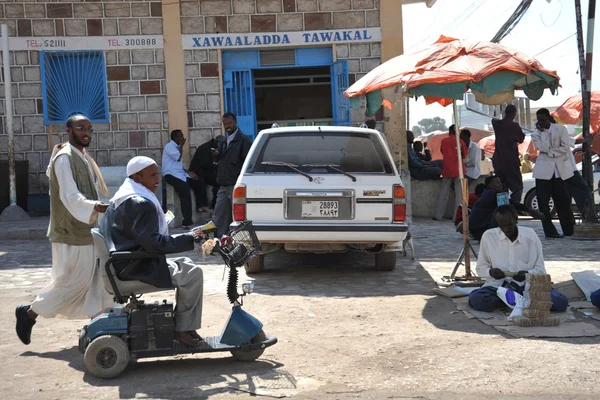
column 135, row 80
column 243, row 16
column 203, row 95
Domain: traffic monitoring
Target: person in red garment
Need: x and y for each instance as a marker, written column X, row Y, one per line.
column 450, row 173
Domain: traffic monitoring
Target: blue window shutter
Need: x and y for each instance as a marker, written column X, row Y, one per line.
column 74, row 81
column 339, row 83
column 239, row 99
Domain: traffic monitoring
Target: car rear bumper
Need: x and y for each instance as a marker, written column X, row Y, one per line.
column 269, row 232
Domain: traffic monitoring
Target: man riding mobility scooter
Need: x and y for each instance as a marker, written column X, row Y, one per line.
column 140, row 330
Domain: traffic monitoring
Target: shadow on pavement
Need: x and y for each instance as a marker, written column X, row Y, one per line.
column 443, row 314
column 352, row 275
column 344, row 275
column 173, row 378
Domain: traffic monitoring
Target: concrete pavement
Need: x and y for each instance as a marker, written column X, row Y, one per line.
column 25, row 260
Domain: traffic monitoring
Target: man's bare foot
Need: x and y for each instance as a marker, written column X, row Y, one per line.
column 195, row 335
column 186, row 338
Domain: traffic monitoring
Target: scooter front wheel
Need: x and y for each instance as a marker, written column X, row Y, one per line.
column 251, row 355
column 106, row 356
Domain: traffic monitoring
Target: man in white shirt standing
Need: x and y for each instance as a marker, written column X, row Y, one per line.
column 181, row 180
column 552, row 168
column 76, row 290
column 473, row 160
column 509, row 248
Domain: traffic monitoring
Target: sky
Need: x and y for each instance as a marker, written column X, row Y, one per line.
column 546, row 32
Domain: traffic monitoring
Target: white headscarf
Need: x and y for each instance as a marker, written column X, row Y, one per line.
column 131, row 188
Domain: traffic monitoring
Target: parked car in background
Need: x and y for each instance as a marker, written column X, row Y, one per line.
column 322, row 190
column 530, row 195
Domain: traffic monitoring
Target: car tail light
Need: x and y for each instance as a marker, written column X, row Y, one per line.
column 239, row 203
column 399, row 204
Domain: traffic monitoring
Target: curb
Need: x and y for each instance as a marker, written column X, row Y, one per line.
column 23, row 233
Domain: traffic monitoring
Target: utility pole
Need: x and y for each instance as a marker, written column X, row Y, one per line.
column 13, row 212
column 585, row 72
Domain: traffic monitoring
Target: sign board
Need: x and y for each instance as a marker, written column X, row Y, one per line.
column 213, row 41
column 137, row 42
column 281, row 39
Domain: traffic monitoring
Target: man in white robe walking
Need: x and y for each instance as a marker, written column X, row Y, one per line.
column 76, row 290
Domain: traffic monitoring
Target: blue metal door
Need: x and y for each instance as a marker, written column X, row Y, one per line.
column 239, row 99
column 339, row 83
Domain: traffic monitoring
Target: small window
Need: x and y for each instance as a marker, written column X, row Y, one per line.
column 74, row 81
column 352, row 152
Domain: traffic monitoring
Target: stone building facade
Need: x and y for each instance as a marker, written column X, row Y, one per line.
column 132, row 36
column 255, row 16
column 135, row 80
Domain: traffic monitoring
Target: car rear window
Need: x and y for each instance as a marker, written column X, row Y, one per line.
column 352, row 152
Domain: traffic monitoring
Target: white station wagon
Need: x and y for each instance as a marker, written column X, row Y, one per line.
column 322, row 190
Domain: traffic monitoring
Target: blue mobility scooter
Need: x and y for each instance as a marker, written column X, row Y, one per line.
column 136, row 329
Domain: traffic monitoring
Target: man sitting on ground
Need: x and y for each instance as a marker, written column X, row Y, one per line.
column 473, row 197
column 482, row 214
column 509, row 248
column 135, row 221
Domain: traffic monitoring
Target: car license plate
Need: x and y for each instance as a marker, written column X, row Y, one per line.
column 320, row 209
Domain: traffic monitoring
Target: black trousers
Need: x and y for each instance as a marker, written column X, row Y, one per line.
column 182, row 188
column 512, row 180
column 210, row 178
column 556, row 189
column 579, row 191
column 426, row 173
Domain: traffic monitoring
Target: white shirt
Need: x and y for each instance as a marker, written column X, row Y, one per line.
column 497, row 251
column 74, row 201
column 231, row 136
column 172, row 162
column 473, row 161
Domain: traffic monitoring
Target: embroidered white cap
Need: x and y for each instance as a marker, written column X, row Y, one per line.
column 136, row 164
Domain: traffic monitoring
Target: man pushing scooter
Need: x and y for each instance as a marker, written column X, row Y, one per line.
column 135, row 221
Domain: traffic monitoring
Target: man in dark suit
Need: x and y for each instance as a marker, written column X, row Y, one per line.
column 231, row 156
column 134, row 221
column 205, row 167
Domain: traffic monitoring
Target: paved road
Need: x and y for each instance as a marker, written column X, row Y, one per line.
column 345, row 331
column 26, row 264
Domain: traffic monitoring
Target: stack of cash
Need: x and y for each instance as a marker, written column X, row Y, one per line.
column 536, row 302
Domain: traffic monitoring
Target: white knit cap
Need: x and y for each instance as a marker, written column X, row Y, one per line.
column 136, row 164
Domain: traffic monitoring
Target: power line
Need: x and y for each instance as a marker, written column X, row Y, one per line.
column 512, row 21
column 556, row 44
column 455, row 21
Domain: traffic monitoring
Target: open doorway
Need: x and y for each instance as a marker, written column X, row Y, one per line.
column 293, row 97
column 290, row 87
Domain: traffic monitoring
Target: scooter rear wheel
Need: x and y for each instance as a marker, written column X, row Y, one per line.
column 106, row 357
column 252, row 354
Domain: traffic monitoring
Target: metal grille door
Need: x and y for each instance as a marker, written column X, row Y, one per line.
column 339, row 83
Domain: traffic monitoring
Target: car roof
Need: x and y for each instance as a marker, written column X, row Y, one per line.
column 317, row 129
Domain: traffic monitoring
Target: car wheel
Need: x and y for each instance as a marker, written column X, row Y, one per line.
column 385, row 261
column 106, row 356
column 256, row 265
column 251, row 355
column 531, row 201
